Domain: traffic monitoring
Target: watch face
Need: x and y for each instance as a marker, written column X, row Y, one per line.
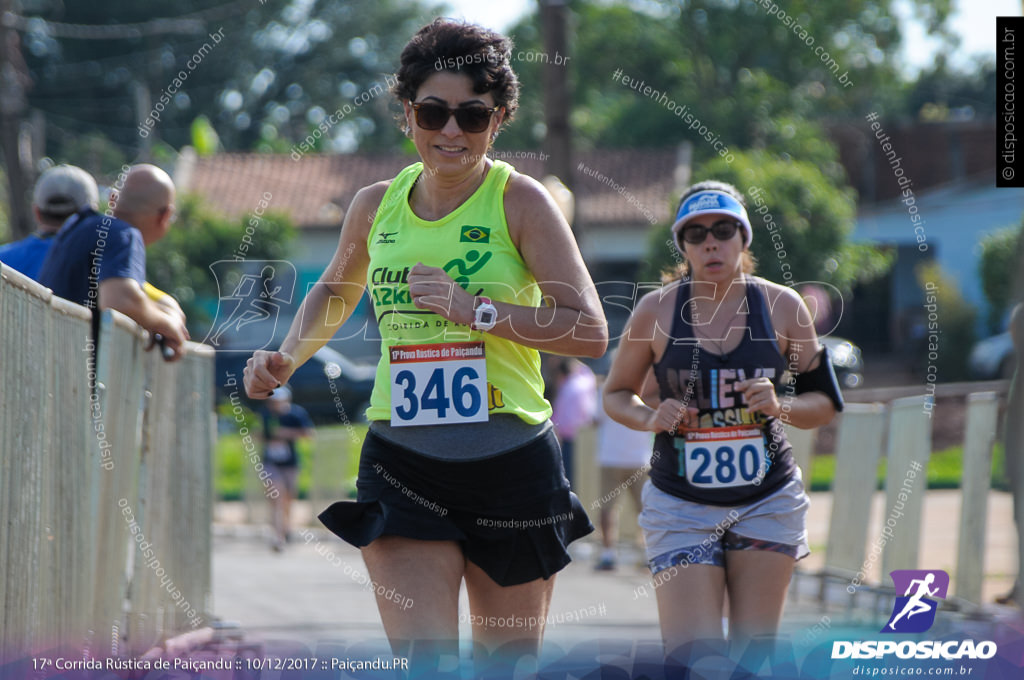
column 488, row 317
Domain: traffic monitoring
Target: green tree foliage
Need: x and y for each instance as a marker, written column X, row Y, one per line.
column 310, row 60
column 999, row 268
column 799, row 217
column 274, row 70
column 179, row 263
column 940, row 92
column 755, row 79
column 280, row 68
column 95, row 154
column 87, row 81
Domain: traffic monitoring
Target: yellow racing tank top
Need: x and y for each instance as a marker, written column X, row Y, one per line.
column 472, row 244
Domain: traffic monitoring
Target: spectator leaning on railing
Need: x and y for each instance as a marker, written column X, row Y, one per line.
column 100, row 260
column 60, row 192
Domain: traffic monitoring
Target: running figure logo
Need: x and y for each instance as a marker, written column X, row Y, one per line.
column 247, row 317
column 914, row 612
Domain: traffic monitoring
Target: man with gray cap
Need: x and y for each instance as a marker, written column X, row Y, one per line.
column 100, row 260
column 60, row 192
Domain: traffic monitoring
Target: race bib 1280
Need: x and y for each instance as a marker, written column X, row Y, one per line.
column 722, row 457
column 438, row 384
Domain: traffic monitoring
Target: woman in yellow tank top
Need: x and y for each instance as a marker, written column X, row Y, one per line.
column 460, row 475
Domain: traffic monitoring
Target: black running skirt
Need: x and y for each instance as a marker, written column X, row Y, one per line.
column 513, row 514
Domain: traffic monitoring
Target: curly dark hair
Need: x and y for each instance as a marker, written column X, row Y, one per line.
column 459, row 47
column 682, row 269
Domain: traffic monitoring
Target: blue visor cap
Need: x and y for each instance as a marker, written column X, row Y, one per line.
column 712, row 203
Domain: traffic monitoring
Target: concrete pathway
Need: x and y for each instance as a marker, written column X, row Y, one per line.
column 315, row 590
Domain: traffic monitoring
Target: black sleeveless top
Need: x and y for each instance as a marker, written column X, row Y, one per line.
column 734, row 457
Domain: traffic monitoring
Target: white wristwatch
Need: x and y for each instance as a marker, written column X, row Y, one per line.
column 485, row 314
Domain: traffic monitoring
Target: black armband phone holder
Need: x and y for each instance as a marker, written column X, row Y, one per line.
column 821, row 379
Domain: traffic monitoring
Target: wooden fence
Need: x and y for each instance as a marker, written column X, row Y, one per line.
column 105, row 481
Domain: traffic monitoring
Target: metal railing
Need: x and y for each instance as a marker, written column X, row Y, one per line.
column 105, row 481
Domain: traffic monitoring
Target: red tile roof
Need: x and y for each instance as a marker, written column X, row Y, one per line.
column 614, row 188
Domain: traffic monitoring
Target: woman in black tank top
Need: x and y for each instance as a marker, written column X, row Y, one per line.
column 724, row 508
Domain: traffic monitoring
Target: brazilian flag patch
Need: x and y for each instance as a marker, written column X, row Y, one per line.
column 471, row 234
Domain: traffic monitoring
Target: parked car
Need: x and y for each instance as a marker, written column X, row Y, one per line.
column 847, row 359
column 329, row 386
column 993, row 358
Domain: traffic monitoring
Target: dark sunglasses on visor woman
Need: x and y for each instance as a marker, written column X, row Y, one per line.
column 723, row 230
column 473, row 118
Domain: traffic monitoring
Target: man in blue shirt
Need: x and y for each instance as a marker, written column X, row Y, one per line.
column 100, row 260
column 60, row 192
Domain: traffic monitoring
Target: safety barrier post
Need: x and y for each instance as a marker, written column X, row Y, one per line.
column 908, row 449
column 982, row 410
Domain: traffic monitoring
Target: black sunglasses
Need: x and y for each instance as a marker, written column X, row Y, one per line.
column 723, row 230
column 469, row 118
